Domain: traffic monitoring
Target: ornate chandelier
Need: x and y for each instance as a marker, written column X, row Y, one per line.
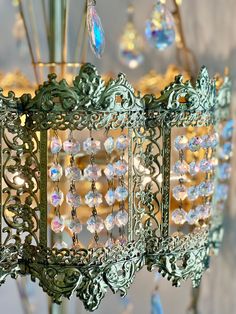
column 120, row 180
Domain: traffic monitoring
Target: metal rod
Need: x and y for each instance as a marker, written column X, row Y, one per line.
column 64, row 36
column 130, row 184
column 1, row 176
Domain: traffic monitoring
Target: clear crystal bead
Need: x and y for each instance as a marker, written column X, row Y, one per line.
column 57, row 224
column 192, row 217
column 109, row 171
column 160, row 28
column 179, row 216
column 193, row 193
column 122, row 142
column 206, row 188
column 121, row 193
column 73, row 173
column 179, row 192
column 206, row 143
column 56, row 145
column 92, row 172
column 203, row 211
column 109, row 222
column 95, row 224
column 205, row 165
column 71, row 146
column 56, row 198
column 221, row 193
column 75, row 226
column 109, row 144
column 95, row 30
column 60, row 245
column 122, row 240
column 214, row 140
column 55, row 172
column 73, row 199
column 121, row 218
column 93, row 198
column 195, row 143
column 194, row 168
column 181, row 167
column 225, row 152
column 224, row 171
column 227, row 131
column 121, row 167
column 91, row 146
column 109, row 243
column 181, row 142
column 110, row 197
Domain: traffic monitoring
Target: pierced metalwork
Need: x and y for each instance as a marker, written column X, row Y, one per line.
column 92, row 105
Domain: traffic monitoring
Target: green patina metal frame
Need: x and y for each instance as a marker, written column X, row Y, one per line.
column 90, row 103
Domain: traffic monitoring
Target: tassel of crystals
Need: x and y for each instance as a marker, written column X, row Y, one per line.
column 93, row 198
column 121, row 192
column 73, row 199
column 109, row 222
column 180, row 191
column 57, row 196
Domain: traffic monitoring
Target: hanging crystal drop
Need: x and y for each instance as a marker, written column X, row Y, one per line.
column 92, row 172
column 192, row 217
column 73, row 199
column 179, row 192
column 110, row 197
column 181, row 142
column 160, row 28
column 121, row 218
column 109, row 171
column 194, row 168
column 224, row 171
column 57, row 224
column 122, row 142
column 109, row 222
column 121, row 167
column 180, row 167
column 73, row 173
column 131, row 44
column 121, row 193
column 206, row 188
column 55, row 172
column 56, row 198
column 227, row 131
column 203, row 211
column 71, row 146
column 221, row 193
column 179, row 216
column 195, row 143
column 95, row 30
column 93, row 198
column 225, row 152
column 205, row 165
column 56, row 145
column 109, row 144
column 75, row 226
column 95, row 224
column 193, row 193
column 91, row 146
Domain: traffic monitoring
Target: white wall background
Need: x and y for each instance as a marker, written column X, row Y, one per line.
column 210, row 27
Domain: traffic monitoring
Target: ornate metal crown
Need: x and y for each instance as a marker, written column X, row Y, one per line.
column 149, row 173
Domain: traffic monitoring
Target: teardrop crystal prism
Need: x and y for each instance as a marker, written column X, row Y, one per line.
column 95, row 30
column 160, row 28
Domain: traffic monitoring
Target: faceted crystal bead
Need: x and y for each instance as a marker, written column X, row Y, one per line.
column 122, row 240
column 206, row 188
column 192, row 217
column 93, row 198
column 193, row 193
column 205, row 165
column 109, row 243
column 221, row 192
column 194, row 168
column 73, row 199
column 195, row 143
column 95, row 30
column 92, row 172
column 121, row 167
column 109, row 144
column 75, row 226
column 122, row 142
column 179, row 216
column 95, row 224
column 181, row 167
column 160, row 28
column 121, row 218
column 57, row 224
column 227, row 131
column 224, row 171
column 56, row 145
column 109, row 222
column 110, row 197
column 60, row 245
column 91, row 146
column 181, row 142
column 179, row 192
column 203, row 211
column 206, row 142
column 109, row 171
column 225, row 152
column 214, row 140
column 121, row 193
column 56, row 198
column 73, row 173
column 55, row 172
column 71, row 146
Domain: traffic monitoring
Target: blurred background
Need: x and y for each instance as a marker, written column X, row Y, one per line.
column 210, row 30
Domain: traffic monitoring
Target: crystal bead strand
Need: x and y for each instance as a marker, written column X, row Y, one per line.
column 109, row 222
column 179, row 191
column 121, row 192
column 55, row 174
column 93, row 198
column 72, row 147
